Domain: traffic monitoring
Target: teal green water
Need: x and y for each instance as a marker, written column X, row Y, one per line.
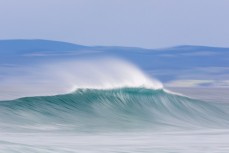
column 132, row 108
column 115, row 120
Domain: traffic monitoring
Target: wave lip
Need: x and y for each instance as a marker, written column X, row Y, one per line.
column 125, row 108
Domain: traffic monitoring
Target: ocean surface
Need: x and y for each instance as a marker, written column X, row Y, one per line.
column 135, row 119
column 58, row 97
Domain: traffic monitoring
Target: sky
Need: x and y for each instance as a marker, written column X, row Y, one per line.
column 136, row 23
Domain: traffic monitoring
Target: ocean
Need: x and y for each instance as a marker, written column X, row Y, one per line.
column 114, row 120
column 58, row 97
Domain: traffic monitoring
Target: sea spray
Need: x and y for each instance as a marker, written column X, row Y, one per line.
column 59, row 77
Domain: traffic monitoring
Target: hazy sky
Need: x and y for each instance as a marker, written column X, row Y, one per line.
column 141, row 23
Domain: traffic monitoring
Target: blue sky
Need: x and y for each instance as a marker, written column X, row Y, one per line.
column 140, row 23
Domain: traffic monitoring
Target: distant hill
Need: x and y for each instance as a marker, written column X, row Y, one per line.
column 167, row 64
column 26, row 46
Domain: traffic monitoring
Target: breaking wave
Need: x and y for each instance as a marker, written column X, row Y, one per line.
column 95, row 95
column 120, row 108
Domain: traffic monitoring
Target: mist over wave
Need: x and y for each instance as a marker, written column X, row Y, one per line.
column 60, row 77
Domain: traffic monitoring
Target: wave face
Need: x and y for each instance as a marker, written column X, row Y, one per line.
column 123, row 108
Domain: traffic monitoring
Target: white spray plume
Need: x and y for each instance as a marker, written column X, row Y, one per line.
column 67, row 76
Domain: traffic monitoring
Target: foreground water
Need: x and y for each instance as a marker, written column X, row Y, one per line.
column 214, row 141
column 114, row 120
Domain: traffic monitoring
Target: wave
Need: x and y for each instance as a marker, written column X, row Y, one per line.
column 120, row 108
column 107, row 93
